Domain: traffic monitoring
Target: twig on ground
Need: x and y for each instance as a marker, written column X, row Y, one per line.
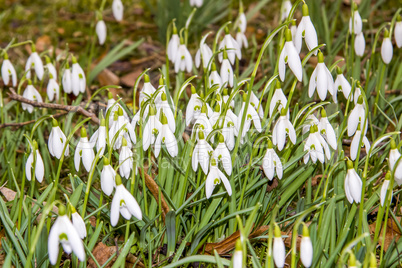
column 18, row 125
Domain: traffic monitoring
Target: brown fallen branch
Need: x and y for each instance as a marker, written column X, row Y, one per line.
column 18, row 125
column 14, row 96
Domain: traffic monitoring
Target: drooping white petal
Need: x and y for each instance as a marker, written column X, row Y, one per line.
column 79, row 225
column 306, row 251
column 398, row 34
column 386, row 50
column 360, row 44
column 118, row 9
column 279, row 252
column 383, row 194
column 101, row 31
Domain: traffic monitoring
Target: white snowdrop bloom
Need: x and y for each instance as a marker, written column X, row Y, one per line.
column 356, row 95
column 147, row 90
column 214, row 77
column 228, row 133
column 215, row 176
column 272, row 162
column 167, row 111
column 166, row 136
column 227, row 74
column 398, row 32
column 118, row 9
column 101, row 31
column 201, row 153
column 66, row 80
column 151, row 129
column 222, row 154
column 64, row 232
column 231, row 46
column 123, row 203
column 39, row 167
column 225, row 98
column 98, row 139
column 307, row 31
column 162, row 92
column 125, row 160
column 78, row 80
column 384, row 189
column 353, row 184
column 173, row 45
column 278, row 98
column 53, row 89
column 310, row 120
column 282, row 128
column 360, row 44
column 8, row 71
column 127, row 130
column 327, row 130
column 354, row 146
column 255, row 102
column 356, row 116
column 321, row 79
column 78, row 222
column 31, row 94
column 285, row 9
column 386, row 48
column 183, row 61
column 293, row 30
column 251, row 116
column 193, row 108
column 56, row 142
column 215, row 115
column 204, row 53
column 50, row 67
column 34, row 61
column 110, row 102
column 196, row 3
column 84, row 151
column 290, row 56
column 306, row 248
column 237, row 259
column 107, row 177
column 242, row 20
column 202, row 123
column 341, row 84
column 316, row 147
column 278, row 249
column 241, row 40
column 393, row 158
column 357, row 22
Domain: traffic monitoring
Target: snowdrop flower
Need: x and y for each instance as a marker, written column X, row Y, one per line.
column 315, row 146
column 282, row 128
column 201, row 153
column 384, row 189
column 216, row 115
column 241, row 39
column 31, row 94
column 353, row 184
column 123, row 203
column 307, row 31
column 50, row 67
column 167, row 111
column 398, row 31
column 173, row 45
column 226, row 71
column 78, row 81
column 279, row 251
column 306, row 248
column 193, row 108
column 39, row 167
column 221, row 153
column 126, row 130
column 125, row 159
column 66, row 80
column 118, row 9
column 225, row 98
column 8, row 71
column 101, row 31
column 360, row 44
column 53, row 89
column 34, row 61
column 393, row 158
column 231, row 46
column 214, row 77
column 285, row 9
column 202, row 123
column 357, row 22
column 358, row 114
column 354, row 146
column 107, row 177
column 229, row 130
column 56, row 142
column 251, row 115
column 214, row 178
column 242, row 20
column 196, row 3
column 64, row 232
column 110, row 103
column 386, row 48
column 237, row 258
column 147, row 90
column 272, row 162
column 311, row 120
column 321, row 79
column 255, row 102
column 327, row 130
column 151, row 129
column 204, row 53
column 84, row 151
column 341, row 84
column 289, row 55
column 99, row 138
column 278, row 98
column 166, row 136
column 78, row 222
column 183, row 61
